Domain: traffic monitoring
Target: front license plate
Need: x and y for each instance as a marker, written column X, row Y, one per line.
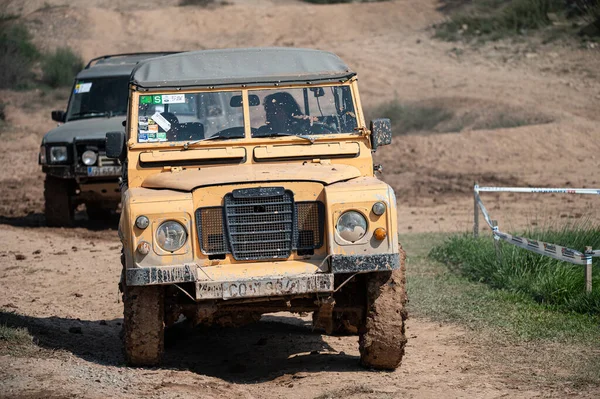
column 278, row 287
column 104, row 171
column 264, row 287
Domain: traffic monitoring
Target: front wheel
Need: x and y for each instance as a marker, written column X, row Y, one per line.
column 382, row 336
column 143, row 324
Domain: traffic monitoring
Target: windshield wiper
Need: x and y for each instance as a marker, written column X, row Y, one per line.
column 282, row 134
column 219, row 135
column 110, row 114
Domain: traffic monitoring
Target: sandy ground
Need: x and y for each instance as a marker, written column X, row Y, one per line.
column 69, row 276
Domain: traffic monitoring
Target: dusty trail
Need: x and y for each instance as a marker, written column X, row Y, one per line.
column 279, row 357
column 72, row 281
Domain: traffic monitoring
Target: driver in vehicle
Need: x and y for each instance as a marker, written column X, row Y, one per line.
column 283, row 115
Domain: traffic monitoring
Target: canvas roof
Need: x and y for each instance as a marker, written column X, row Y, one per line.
column 235, row 67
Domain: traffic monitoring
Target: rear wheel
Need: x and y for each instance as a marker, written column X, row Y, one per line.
column 59, row 205
column 382, row 337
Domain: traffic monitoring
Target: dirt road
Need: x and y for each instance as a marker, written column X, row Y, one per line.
column 63, row 286
column 73, row 306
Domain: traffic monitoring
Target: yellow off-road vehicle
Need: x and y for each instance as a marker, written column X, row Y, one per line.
column 249, row 188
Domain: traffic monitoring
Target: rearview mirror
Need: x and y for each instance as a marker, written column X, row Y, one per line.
column 115, row 145
column 236, row 101
column 58, row 116
column 318, row 91
column 381, row 132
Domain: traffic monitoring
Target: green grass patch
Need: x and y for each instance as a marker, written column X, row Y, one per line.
column 441, row 294
column 504, row 328
column 555, row 284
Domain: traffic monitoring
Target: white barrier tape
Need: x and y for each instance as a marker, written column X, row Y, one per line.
column 544, row 248
column 594, row 191
column 595, row 253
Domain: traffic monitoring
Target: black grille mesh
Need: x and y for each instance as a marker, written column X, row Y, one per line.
column 309, row 225
column 211, row 233
column 260, row 228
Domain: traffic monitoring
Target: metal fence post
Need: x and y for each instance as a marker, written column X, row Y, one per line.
column 497, row 244
column 475, row 213
column 588, row 270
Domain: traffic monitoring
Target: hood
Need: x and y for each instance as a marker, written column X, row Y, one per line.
column 92, row 128
column 188, row 180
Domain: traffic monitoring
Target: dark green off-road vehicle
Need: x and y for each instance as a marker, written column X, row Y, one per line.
column 73, row 156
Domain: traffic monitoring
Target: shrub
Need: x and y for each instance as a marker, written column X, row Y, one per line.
column 551, row 282
column 495, row 20
column 17, row 55
column 590, row 9
column 60, row 67
column 342, row 1
column 408, row 118
column 202, row 3
column 2, row 112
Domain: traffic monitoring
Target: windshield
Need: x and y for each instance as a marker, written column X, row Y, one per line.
column 100, row 97
column 302, row 111
column 190, row 116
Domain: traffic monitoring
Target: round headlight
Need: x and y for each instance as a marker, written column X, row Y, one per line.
column 378, row 208
column 89, row 157
column 142, row 222
column 171, row 236
column 352, row 226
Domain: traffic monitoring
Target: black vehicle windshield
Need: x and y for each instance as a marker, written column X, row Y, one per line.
column 99, row 97
column 302, row 111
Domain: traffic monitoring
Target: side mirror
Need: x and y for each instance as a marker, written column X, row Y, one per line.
column 59, row 116
column 381, row 132
column 115, row 145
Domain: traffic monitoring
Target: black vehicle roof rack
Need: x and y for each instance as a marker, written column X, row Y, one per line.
column 104, row 57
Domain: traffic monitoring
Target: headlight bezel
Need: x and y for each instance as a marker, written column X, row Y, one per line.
column 183, row 242
column 94, row 158
column 350, row 212
column 379, row 208
column 52, row 157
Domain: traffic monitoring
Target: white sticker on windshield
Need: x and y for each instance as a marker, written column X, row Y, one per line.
column 161, row 121
column 173, row 98
column 83, row 87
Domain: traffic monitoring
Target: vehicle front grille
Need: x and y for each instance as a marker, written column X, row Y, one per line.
column 260, row 227
column 261, row 224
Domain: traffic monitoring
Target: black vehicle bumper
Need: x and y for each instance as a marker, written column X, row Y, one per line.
column 364, row 263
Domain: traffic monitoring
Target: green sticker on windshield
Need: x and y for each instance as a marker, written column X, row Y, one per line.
column 157, row 99
column 145, row 99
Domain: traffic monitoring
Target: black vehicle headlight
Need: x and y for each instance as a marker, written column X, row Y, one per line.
column 351, row 226
column 171, row 236
column 58, row 154
column 89, row 157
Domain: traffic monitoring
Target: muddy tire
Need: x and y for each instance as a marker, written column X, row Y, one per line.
column 58, row 196
column 382, row 338
column 143, row 325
